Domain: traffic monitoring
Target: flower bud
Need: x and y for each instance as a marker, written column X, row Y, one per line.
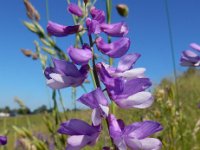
column 31, row 12
column 86, row 1
column 122, row 10
column 26, row 52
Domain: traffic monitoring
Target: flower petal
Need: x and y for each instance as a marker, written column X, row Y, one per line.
column 97, row 14
column 151, row 144
column 75, row 9
column 139, row 100
column 195, row 46
column 115, row 30
column 61, row 30
column 72, row 127
column 141, row 130
column 96, row 117
column 131, row 74
column 114, row 127
column 94, row 98
column 115, row 49
column 79, row 56
column 93, row 26
column 127, row 61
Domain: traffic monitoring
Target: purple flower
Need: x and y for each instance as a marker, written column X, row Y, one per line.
column 126, row 93
column 124, row 68
column 115, row 49
column 116, row 30
column 75, row 9
column 93, row 26
column 3, row 140
column 61, row 30
column 134, row 136
column 65, row 74
column 82, row 134
column 80, row 56
column 97, row 15
column 97, row 101
column 190, row 58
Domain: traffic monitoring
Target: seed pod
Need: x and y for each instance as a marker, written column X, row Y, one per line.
column 122, row 10
column 35, row 56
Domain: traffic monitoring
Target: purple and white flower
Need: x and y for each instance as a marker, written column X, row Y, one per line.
column 115, row 49
column 126, row 87
column 97, row 101
column 58, row 30
column 190, row 58
column 65, row 74
column 134, row 136
column 82, row 134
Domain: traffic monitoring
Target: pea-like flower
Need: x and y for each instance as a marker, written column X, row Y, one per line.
column 115, row 49
column 124, row 68
column 3, row 140
column 97, row 101
column 134, row 136
column 190, row 58
column 65, row 74
column 82, row 134
column 116, row 30
column 75, row 9
column 80, row 56
column 58, row 30
column 98, row 15
column 126, row 88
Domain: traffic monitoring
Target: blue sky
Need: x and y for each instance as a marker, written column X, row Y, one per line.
column 148, row 31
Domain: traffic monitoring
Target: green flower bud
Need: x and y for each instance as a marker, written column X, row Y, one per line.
column 122, row 10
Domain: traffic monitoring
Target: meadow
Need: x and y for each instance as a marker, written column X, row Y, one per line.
column 181, row 125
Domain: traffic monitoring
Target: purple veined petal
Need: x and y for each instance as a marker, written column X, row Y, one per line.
column 96, row 117
column 97, row 15
column 131, row 74
column 127, row 61
column 151, row 144
column 79, row 56
column 141, row 130
column 94, row 98
column 195, row 46
column 67, row 68
column 93, row 26
column 72, row 127
column 116, row 30
column 3, row 140
column 139, row 100
column 130, row 87
column 75, row 9
column 114, row 127
column 115, row 49
column 61, row 30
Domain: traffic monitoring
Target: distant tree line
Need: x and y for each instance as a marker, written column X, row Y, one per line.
column 25, row 110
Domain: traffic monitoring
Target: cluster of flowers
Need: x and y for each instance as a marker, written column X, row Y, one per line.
column 190, row 58
column 124, row 85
